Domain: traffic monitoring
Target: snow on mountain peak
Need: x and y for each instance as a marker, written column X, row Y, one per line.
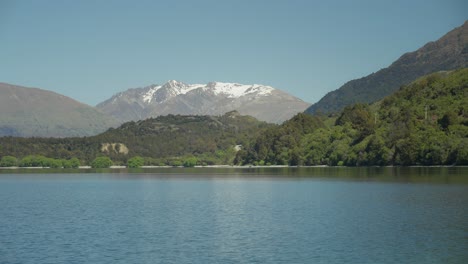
column 230, row 90
column 148, row 96
column 214, row 98
column 175, row 84
column 235, row 90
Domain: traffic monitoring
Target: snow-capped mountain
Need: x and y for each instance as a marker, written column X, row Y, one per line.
column 215, row 98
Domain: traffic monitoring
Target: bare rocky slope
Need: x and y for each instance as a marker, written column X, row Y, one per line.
column 216, row 98
column 32, row 112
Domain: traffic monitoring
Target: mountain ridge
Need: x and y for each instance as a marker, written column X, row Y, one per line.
column 214, row 98
column 447, row 53
column 423, row 123
column 35, row 112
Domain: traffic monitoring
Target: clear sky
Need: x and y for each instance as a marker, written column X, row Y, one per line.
column 90, row 50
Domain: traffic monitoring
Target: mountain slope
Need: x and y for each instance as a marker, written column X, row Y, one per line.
column 262, row 102
column 32, row 112
column 423, row 123
column 448, row 53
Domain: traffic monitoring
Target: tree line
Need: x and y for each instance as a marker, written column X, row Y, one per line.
column 33, row 161
column 172, row 140
column 424, row 123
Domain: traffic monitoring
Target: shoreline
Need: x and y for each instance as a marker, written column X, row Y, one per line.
column 233, row 167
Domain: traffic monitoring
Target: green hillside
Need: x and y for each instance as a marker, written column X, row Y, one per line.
column 424, row 123
column 165, row 140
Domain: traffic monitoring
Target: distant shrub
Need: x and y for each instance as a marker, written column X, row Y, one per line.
column 176, row 163
column 135, row 162
column 52, row 163
column 8, row 161
column 101, row 162
column 71, row 163
column 190, row 162
column 33, row 161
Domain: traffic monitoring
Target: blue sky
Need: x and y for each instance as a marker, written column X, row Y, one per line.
column 90, row 50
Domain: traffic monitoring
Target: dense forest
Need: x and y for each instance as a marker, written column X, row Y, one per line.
column 424, row 123
column 165, row 140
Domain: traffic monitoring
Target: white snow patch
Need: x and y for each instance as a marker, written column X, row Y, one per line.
column 148, row 96
column 231, row 90
column 235, row 90
column 178, row 88
column 191, row 87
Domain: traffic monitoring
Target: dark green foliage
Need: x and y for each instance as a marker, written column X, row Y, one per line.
column 448, row 119
column 461, row 152
column 8, row 161
column 101, row 162
column 424, row 123
column 360, row 118
column 280, row 145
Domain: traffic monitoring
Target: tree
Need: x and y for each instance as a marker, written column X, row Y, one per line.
column 136, row 162
column 360, row 118
column 377, row 152
column 295, row 158
column 449, row 118
column 462, row 153
column 101, row 162
column 8, row 161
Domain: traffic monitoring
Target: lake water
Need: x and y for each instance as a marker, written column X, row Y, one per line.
column 295, row 215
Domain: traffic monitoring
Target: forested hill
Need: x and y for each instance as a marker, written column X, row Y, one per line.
column 165, row 140
column 448, row 53
column 424, row 123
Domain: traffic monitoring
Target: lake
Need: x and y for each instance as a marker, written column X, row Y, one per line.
column 244, row 215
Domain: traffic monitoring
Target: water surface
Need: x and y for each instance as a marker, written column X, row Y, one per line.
column 295, row 215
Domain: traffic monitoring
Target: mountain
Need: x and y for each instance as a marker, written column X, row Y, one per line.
column 448, row 53
column 32, row 112
column 423, row 123
column 215, row 98
column 162, row 140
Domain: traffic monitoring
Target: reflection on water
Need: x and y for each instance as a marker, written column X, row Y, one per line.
column 447, row 175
